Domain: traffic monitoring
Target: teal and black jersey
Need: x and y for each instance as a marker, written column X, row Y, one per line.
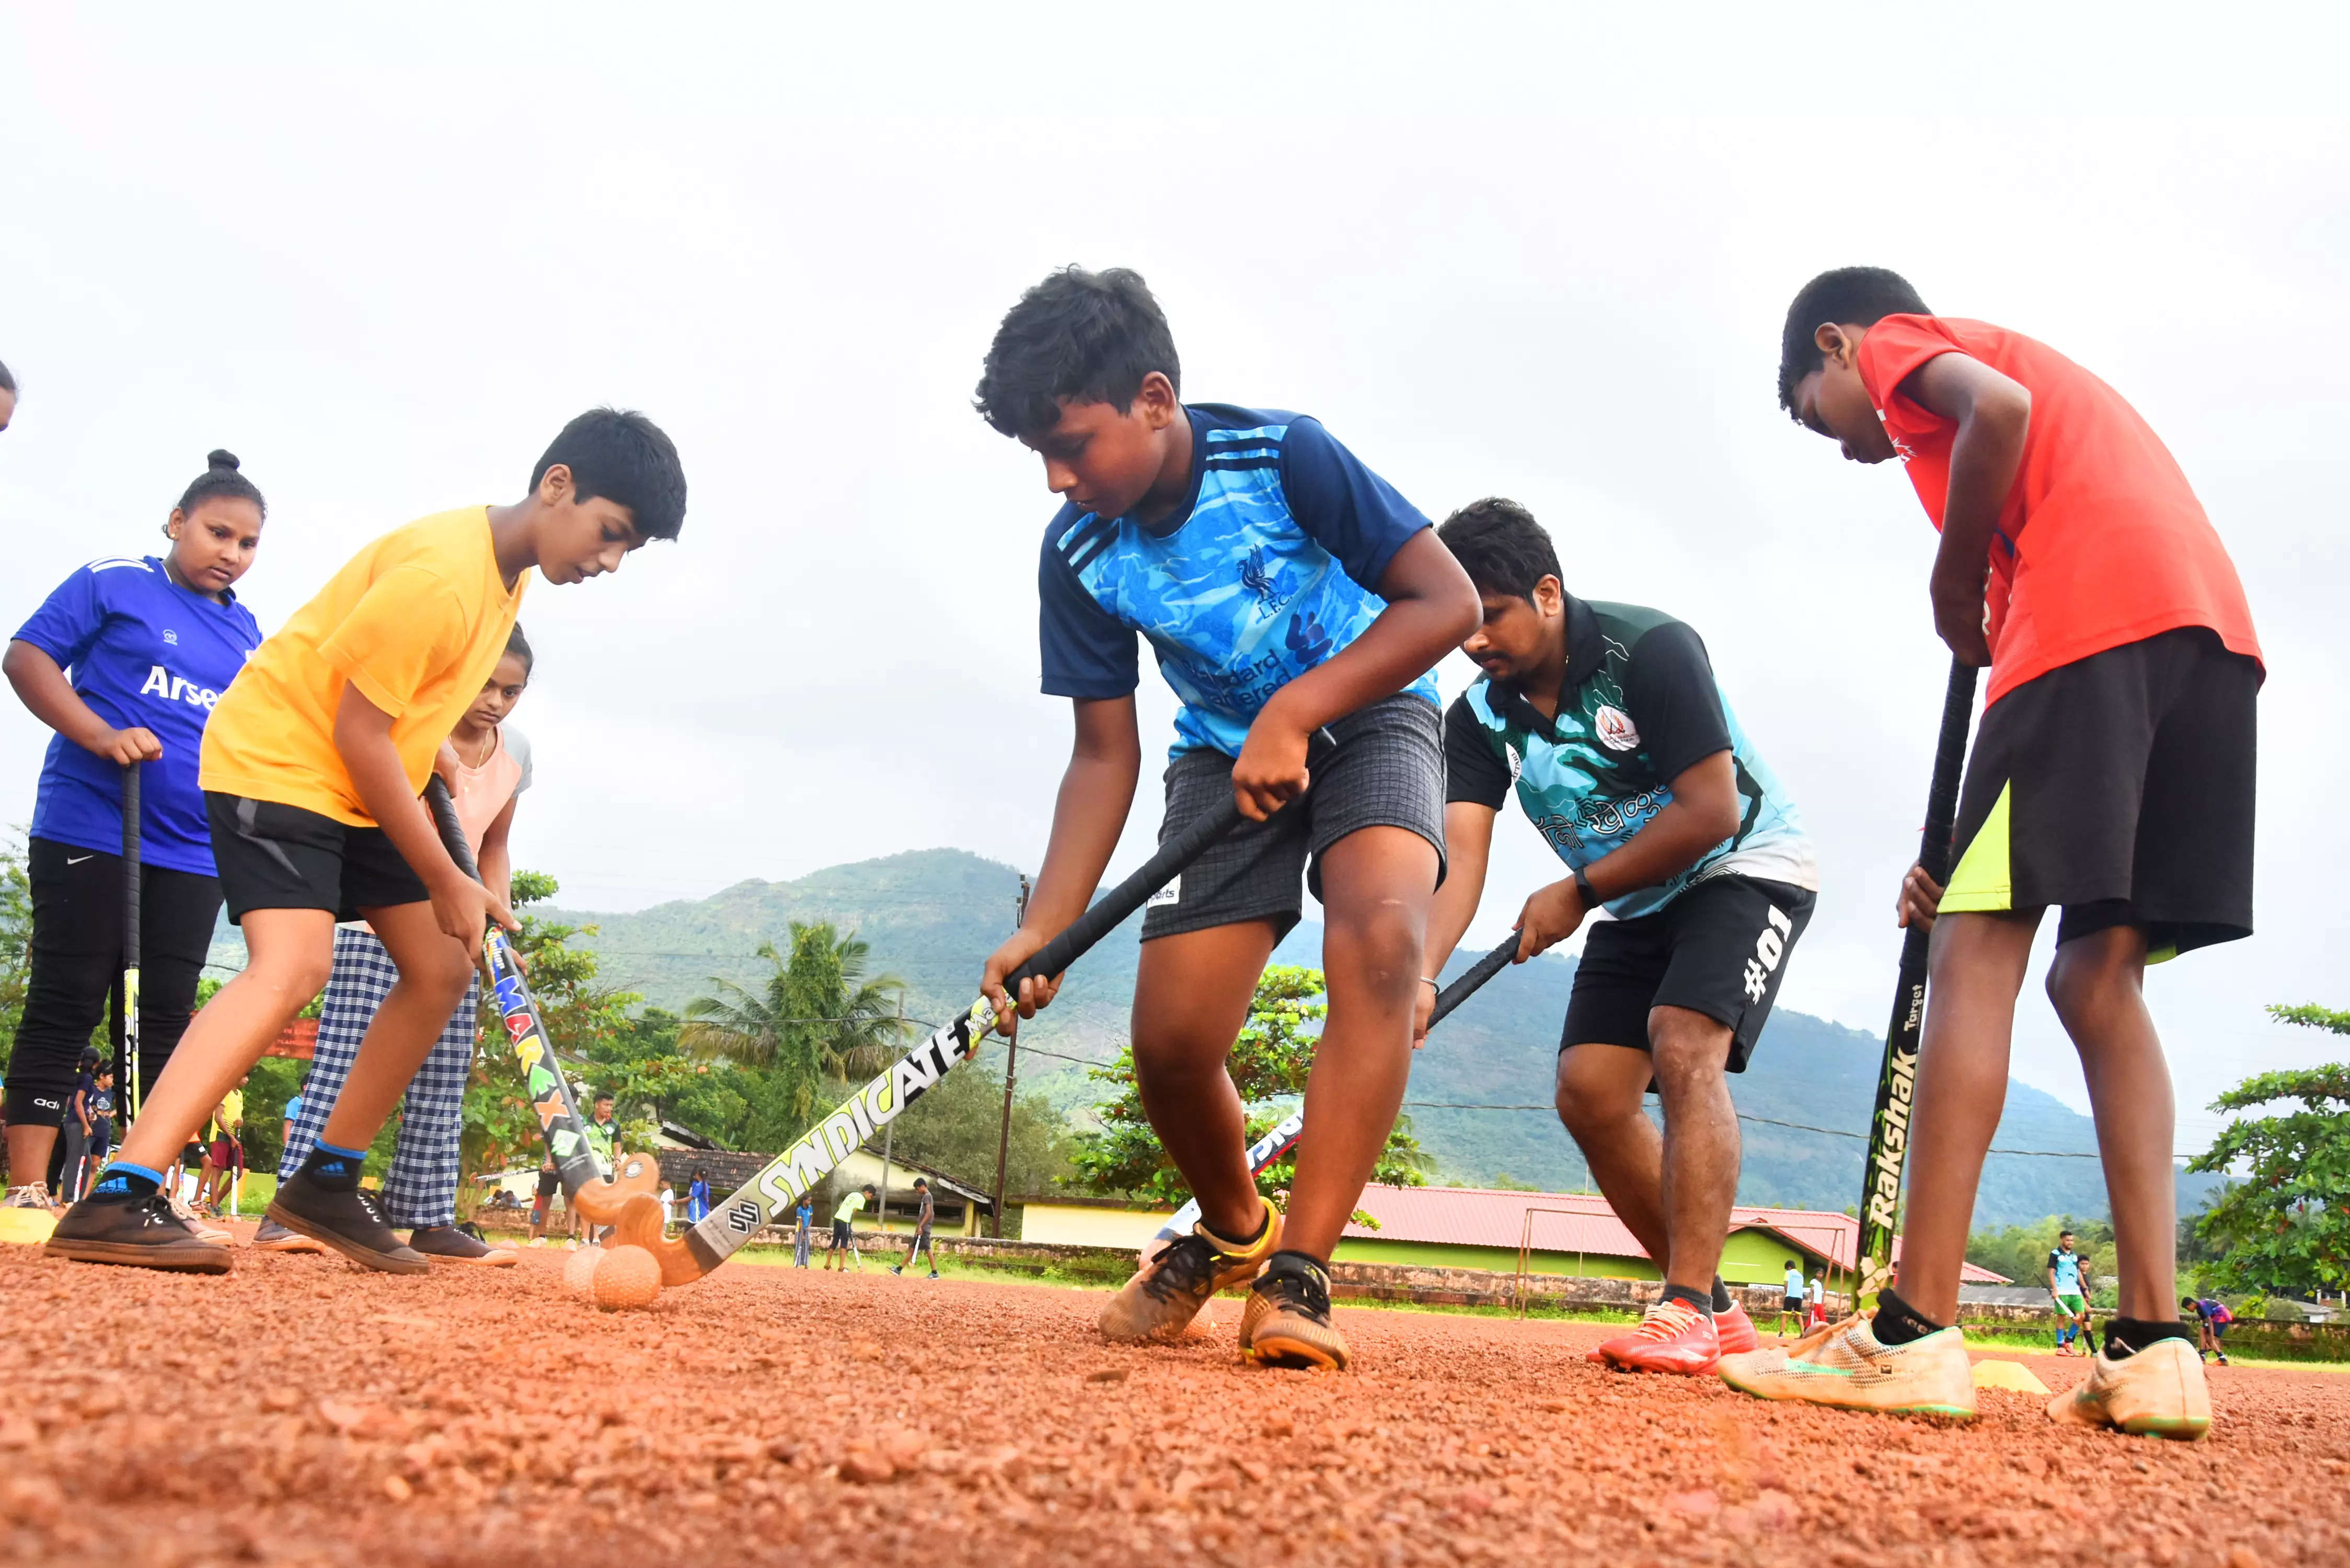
column 1639, row 706
column 2067, row 1268
column 1270, row 568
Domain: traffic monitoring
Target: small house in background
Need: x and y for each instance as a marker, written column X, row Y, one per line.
column 1482, row 1228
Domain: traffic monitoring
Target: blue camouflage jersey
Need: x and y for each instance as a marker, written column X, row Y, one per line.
column 1269, row 569
column 1639, row 705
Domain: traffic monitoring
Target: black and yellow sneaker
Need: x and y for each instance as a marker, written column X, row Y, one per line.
column 121, row 1225
column 1287, row 1319
column 346, row 1219
column 1167, row 1293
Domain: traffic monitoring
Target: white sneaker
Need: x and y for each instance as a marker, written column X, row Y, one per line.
column 1844, row 1365
column 2157, row 1392
column 34, row 1197
column 538, row 1241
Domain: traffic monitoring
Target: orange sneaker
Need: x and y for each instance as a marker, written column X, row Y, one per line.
column 1673, row 1337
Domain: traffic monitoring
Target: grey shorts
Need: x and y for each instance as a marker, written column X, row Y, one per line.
column 1389, row 772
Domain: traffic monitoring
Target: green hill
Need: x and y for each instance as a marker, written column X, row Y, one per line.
column 933, row 916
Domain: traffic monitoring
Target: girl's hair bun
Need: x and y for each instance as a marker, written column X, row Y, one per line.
column 220, row 457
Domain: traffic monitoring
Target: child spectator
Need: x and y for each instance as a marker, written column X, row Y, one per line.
column 312, row 770
column 125, row 662
column 486, row 766
column 1284, row 587
column 697, row 1199
column 2112, row 778
column 801, row 1239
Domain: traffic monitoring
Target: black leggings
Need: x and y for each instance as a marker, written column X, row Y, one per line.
column 76, row 953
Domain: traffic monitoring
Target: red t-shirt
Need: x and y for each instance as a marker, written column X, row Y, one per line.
column 2102, row 541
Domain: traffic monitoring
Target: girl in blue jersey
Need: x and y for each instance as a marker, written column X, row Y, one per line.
column 124, row 661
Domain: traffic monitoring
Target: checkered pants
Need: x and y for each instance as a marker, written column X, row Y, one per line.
column 422, row 1187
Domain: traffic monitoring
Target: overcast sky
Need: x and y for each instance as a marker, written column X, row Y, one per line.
column 385, row 263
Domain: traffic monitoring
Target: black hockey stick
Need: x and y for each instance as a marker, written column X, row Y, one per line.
column 1284, row 1135
column 560, row 1121
column 1888, row 1129
column 131, row 937
column 809, row 1160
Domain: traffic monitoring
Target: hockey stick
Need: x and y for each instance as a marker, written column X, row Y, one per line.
column 1284, row 1135
column 809, row 1160
column 1888, row 1129
column 131, row 937
column 576, row 1163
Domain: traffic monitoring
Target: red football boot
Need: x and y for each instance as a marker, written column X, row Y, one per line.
column 1673, row 1337
column 1736, row 1331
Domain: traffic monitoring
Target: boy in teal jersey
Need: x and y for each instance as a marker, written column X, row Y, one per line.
column 1608, row 721
column 1284, row 587
column 2065, row 1290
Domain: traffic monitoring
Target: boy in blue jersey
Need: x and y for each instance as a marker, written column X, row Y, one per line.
column 1609, row 723
column 1283, row 586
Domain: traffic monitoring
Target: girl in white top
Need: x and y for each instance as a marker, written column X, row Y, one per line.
column 486, row 766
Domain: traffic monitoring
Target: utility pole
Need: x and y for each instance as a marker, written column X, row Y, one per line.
column 1011, row 1069
column 889, row 1129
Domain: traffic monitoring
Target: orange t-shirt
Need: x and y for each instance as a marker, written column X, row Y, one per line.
column 2102, row 541
column 416, row 621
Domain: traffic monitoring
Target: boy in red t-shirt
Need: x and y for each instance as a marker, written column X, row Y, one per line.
column 2112, row 776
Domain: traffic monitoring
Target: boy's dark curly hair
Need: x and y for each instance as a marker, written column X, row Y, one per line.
column 1091, row 335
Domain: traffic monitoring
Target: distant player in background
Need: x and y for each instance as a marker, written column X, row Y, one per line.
column 804, row 1224
column 844, row 1230
column 1819, row 1300
column 487, row 767
column 2211, row 1319
column 225, row 1149
column 2065, row 1290
column 604, row 1135
column 124, row 660
column 550, row 1182
column 920, row 1245
column 1609, row 725
column 1791, row 1300
column 697, row 1197
column 2112, row 778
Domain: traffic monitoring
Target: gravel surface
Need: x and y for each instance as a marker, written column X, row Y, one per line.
column 299, row 1411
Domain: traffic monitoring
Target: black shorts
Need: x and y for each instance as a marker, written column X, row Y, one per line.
column 1720, row 949
column 1389, row 772
column 2118, row 787
column 842, row 1236
column 1791, row 1303
column 550, row 1182
column 278, row 856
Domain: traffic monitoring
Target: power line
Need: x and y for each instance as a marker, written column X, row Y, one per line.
column 1774, row 1122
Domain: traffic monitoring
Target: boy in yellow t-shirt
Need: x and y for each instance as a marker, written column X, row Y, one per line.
column 313, row 764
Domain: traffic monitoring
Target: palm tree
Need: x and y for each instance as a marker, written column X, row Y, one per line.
column 818, row 1019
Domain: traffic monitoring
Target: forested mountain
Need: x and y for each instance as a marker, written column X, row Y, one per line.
column 933, row 916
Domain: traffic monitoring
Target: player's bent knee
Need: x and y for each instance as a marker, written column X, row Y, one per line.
column 1687, row 1045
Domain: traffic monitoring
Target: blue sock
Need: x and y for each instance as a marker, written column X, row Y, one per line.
column 124, row 1180
column 332, row 1167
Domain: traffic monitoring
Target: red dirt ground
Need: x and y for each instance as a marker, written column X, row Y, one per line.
column 299, row 1411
